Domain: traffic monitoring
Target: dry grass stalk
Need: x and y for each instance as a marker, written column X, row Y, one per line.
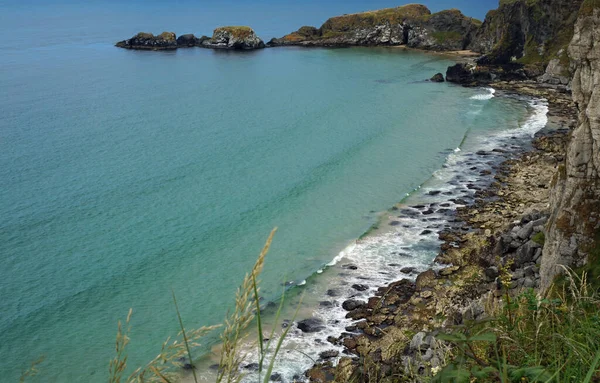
column 239, row 320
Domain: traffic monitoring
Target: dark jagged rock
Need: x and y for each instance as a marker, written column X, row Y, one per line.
column 329, row 354
column 311, row 325
column 188, row 40
column 437, row 78
column 352, row 304
column 412, row 25
column 147, row 41
column 460, row 74
column 233, row 38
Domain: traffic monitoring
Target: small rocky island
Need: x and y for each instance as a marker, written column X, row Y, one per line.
column 230, row 38
column 412, row 25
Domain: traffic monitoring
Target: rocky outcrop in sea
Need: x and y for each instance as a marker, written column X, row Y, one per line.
column 233, row 38
column 412, row 25
column 147, row 41
column 230, row 38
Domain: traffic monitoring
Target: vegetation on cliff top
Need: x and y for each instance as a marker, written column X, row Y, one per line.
column 239, row 32
column 367, row 19
column 167, row 36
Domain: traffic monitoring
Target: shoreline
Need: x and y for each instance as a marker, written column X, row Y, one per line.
column 517, row 195
column 364, row 325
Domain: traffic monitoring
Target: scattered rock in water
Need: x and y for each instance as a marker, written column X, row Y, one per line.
column 407, row 270
column 426, row 232
column 251, row 367
column 329, row 354
column 333, row 293
column 147, row 41
column 326, row 304
column 352, row 304
column 276, row 377
column 394, row 223
column 360, row 287
column 428, row 212
column 438, row 77
column 350, row 266
column 311, row 325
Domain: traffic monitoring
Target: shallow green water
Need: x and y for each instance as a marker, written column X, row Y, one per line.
column 128, row 174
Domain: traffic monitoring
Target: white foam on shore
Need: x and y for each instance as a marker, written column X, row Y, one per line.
column 411, row 240
column 486, row 96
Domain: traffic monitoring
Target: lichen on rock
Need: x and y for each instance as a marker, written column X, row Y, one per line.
column 147, row 41
column 234, row 37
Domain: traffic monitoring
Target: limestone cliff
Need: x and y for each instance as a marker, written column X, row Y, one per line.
column 574, row 231
column 413, row 25
column 534, row 33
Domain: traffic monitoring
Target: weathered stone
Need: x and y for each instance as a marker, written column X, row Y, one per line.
column 233, row 38
column 311, row 325
column 437, row 78
column 329, row 354
column 147, row 41
column 460, row 73
column 352, row 304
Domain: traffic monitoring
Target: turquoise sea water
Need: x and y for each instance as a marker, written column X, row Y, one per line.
column 127, row 174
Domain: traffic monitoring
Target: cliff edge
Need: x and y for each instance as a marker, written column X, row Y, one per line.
column 574, row 232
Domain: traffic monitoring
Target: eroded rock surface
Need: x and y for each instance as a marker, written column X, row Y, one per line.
column 575, row 221
column 147, row 41
column 413, row 25
column 240, row 38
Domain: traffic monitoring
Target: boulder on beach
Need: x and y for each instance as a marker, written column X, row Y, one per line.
column 147, row 41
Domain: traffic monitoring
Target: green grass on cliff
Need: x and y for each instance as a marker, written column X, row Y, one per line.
column 367, row 19
column 238, row 32
column 552, row 339
column 443, row 37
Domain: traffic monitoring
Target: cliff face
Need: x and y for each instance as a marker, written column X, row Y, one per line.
column 534, row 33
column 574, row 231
column 412, row 25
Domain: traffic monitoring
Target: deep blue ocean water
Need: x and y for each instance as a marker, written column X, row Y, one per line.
column 126, row 174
